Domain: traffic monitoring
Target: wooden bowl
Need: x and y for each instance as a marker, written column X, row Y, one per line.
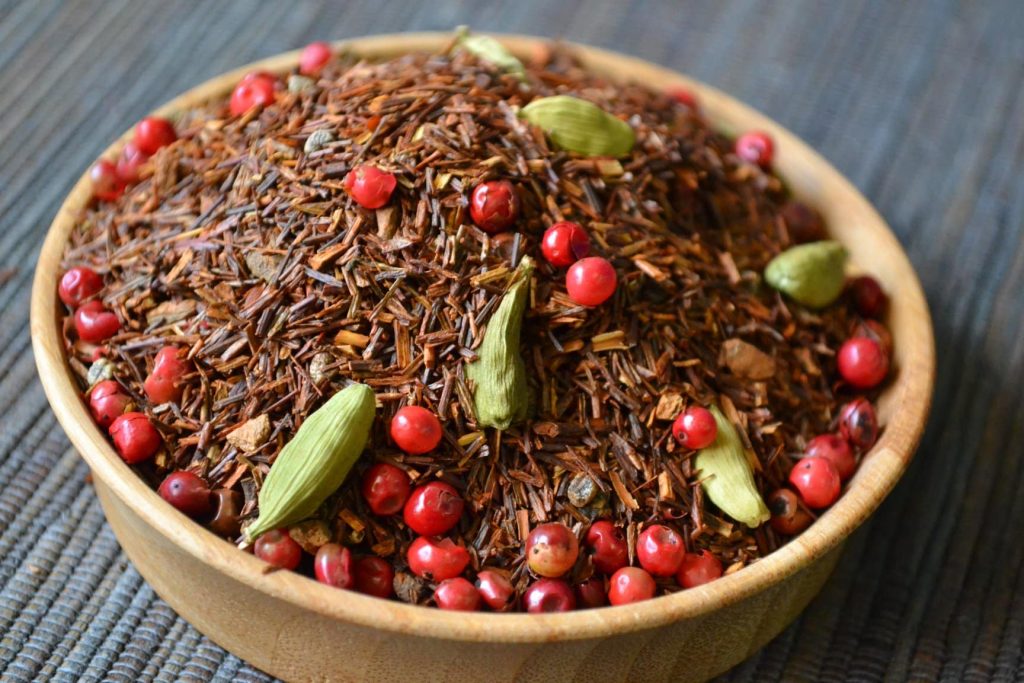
column 298, row 629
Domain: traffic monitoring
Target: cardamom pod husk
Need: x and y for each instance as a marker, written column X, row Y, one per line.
column 727, row 477
column 501, row 395
column 491, row 51
column 580, row 126
column 811, row 274
column 316, row 461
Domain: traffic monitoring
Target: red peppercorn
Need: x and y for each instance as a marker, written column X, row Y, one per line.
column 630, row 584
column 608, row 548
column 494, row 205
column 756, row 147
column 386, row 488
column 591, row 593
column 788, row 517
column 858, row 424
column 872, row 329
column 106, row 185
column 551, row 549
column 436, row 559
column 187, row 492
column 79, row 284
column 868, row 296
column 803, row 223
column 684, row 96
column 660, row 550
column 496, row 590
column 862, row 362
column 313, row 58
column 107, row 400
column 697, row 570
column 152, row 133
column 457, row 594
column 433, row 509
column 565, row 243
column 94, row 323
column 374, row 576
column 591, row 281
column 135, row 437
column 333, row 565
column 835, row 448
column 695, row 428
column 129, row 163
column 369, row 186
column 817, row 481
column 549, row 595
column 416, row 430
column 276, row 547
column 255, row 88
column 164, row 382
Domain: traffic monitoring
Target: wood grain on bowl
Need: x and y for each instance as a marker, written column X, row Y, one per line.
column 298, row 629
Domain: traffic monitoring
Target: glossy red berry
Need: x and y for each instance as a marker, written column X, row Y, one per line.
column 78, row 284
column 256, row 88
column 591, row 593
column 862, row 362
column 135, row 437
column 164, row 382
column 608, row 548
column 858, row 424
column 868, row 296
column 695, row 428
column 835, row 448
column 817, row 481
column 386, row 488
column 369, row 186
column 756, row 147
column 591, row 281
column 416, row 430
column 564, row 244
column 187, row 492
column 551, row 549
column 152, row 133
column 660, row 550
column 436, row 559
column 549, row 595
column 788, row 518
column 494, row 205
column 276, row 547
column 107, row 401
column 803, row 223
column 697, row 570
column 631, row 584
column 106, row 185
column 129, row 163
column 684, row 96
column 313, row 58
column 334, row 566
column 374, row 576
column 495, row 590
column 94, row 323
column 433, row 509
column 457, row 594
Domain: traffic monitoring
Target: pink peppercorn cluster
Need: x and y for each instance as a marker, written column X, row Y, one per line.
column 111, row 178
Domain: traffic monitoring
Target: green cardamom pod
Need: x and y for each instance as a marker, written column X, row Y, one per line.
column 316, row 461
column 492, row 51
column 501, row 394
column 580, row 126
column 811, row 274
column 727, row 477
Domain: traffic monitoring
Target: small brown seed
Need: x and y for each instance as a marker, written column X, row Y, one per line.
column 227, row 506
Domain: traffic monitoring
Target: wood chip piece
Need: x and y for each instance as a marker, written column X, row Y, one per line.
column 261, row 265
column 251, row 435
column 669, row 406
column 746, row 360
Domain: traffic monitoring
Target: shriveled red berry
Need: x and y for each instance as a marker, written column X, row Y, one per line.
column 433, row 509
column 835, row 448
column 565, row 243
column 152, row 133
column 135, row 437
column 369, row 186
column 495, row 590
column 78, row 284
column 862, row 362
column 494, row 205
column 457, row 594
column 313, row 58
column 164, row 382
column 817, row 481
column 107, row 401
column 549, row 595
column 188, row 492
column 129, row 163
column 106, row 185
column 698, row 569
column 858, row 423
column 868, row 296
column 551, row 549
column 684, row 96
column 386, row 488
column 374, row 576
column 872, row 329
column 608, row 548
column 334, row 566
column 788, row 517
column 803, row 223
column 631, row 584
column 94, row 323
column 276, row 547
column 660, row 550
column 591, row 593
column 695, row 428
column 416, row 430
column 591, row 281
column 255, row 88
column 756, row 147
column 436, row 559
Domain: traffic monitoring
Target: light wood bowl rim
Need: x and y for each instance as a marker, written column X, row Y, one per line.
column 909, row 397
